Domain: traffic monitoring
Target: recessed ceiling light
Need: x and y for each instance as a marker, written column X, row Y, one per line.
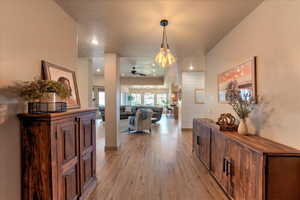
column 191, row 67
column 98, row 70
column 94, row 41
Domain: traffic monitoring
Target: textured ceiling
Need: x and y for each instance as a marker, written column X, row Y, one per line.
column 131, row 27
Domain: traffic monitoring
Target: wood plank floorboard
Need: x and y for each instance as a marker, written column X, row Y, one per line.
column 156, row 166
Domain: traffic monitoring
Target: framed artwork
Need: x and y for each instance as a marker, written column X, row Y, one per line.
column 199, row 96
column 243, row 75
column 65, row 76
column 3, row 113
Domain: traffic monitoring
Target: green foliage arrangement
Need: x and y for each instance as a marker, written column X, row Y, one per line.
column 165, row 102
column 130, row 98
column 241, row 104
column 38, row 89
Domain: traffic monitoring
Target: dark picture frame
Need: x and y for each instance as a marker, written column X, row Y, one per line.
column 57, row 73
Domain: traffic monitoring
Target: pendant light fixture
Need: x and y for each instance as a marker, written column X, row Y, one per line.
column 164, row 58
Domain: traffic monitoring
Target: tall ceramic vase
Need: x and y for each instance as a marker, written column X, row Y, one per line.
column 243, row 128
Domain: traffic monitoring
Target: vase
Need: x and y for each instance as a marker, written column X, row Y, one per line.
column 243, row 128
column 50, row 98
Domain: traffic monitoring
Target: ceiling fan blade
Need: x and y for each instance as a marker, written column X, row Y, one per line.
column 141, row 74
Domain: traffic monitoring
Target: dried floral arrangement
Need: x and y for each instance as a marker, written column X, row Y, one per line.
column 39, row 89
column 261, row 114
column 241, row 104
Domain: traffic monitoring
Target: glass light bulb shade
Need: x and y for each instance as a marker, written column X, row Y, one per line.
column 170, row 58
column 159, row 56
column 164, row 58
column 164, row 62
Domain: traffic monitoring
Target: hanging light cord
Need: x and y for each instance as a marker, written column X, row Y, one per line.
column 163, row 37
column 164, row 41
column 164, row 57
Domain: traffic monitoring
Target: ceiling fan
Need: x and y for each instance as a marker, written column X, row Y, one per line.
column 134, row 72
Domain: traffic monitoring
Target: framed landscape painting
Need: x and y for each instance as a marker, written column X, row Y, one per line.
column 65, row 76
column 199, row 96
column 243, row 75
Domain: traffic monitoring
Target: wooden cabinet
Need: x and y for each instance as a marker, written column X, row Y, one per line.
column 58, row 155
column 217, row 153
column 244, row 172
column 87, row 152
column 196, row 139
column 248, row 167
column 202, row 143
column 67, row 159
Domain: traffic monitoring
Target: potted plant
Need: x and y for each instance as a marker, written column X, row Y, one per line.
column 166, row 103
column 43, row 91
column 130, row 98
column 242, row 105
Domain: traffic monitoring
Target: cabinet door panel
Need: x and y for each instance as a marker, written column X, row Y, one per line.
column 246, row 169
column 196, row 139
column 68, row 160
column 69, row 143
column 204, row 146
column 218, row 148
column 283, row 177
column 87, row 167
column 87, row 150
column 70, row 177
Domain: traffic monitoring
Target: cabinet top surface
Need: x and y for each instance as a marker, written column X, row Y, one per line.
column 261, row 144
column 54, row 115
column 255, row 143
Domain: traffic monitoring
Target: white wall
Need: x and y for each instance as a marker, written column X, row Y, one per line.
column 85, row 81
column 31, row 30
column 98, row 80
column 197, row 60
column 190, row 110
column 272, row 33
column 172, row 75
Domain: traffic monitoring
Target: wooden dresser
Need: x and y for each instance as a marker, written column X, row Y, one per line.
column 58, row 155
column 248, row 167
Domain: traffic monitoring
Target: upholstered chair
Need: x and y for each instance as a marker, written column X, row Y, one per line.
column 141, row 121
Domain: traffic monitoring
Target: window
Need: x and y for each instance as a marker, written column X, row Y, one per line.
column 123, row 98
column 136, row 99
column 161, row 99
column 101, row 98
column 149, row 99
column 246, row 93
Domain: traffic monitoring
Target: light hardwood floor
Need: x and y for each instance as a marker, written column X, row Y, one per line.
column 156, row 166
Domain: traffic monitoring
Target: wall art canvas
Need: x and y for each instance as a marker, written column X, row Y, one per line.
column 199, row 96
column 243, row 75
column 65, row 76
column 3, row 113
